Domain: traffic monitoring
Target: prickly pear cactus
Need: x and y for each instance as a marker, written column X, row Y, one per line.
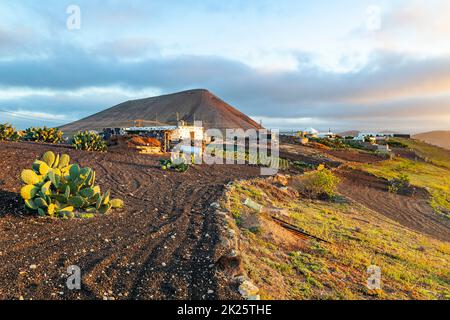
column 8, row 133
column 56, row 188
column 89, row 141
column 49, row 135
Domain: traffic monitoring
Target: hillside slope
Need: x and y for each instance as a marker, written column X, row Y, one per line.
column 191, row 105
column 286, row 265
column 437, row 138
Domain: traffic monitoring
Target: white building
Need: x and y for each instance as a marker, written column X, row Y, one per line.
column 377, row 136
column 170, row 135
column 178, row 132
column 308, row 132
column 328, row 134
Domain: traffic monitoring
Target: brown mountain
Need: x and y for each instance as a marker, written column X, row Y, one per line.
column 190, row 105
column 437, row 138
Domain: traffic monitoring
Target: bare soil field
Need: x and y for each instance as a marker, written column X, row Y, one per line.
column 413, row 211
column 355, row 156
column 161, row 246
column 297, row 152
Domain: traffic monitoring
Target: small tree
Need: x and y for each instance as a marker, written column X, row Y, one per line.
column 401, row 184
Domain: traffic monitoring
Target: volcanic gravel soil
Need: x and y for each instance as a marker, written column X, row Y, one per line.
column 413, row 212
column 160, row 246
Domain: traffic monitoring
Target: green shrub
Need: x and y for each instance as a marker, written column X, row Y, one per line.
column 357, row 145
column 396, row 144
column 331, row 143
column 49, row 135
column 89, row 141
column 401, row 184
column 8, row 133
column 54, row 187
column 168, row 164
column 321, row 183
column 303, row 165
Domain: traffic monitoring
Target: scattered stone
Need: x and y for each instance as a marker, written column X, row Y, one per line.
column 248, row 290
column 33, row 266
column 276, row 211
column 253, row 205
column 215, row 205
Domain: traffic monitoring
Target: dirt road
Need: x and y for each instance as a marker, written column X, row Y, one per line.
column 161, row 246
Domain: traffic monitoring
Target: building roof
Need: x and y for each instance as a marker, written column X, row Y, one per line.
column 310, row 130
column 159, row 128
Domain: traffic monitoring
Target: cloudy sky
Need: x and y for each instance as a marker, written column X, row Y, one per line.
column 348, row 64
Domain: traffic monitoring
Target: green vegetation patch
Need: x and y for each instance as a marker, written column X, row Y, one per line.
column 430, row 153
column 413, row 266
column 436, row 179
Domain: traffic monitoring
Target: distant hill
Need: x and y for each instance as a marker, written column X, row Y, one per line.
column 198, row 104
column 353, row 133
column 437, row 138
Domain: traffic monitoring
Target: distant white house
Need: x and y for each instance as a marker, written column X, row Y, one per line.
column 328, row 134
column 374, row 135
column 308, row 132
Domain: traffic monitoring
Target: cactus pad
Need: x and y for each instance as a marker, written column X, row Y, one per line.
column 116, row 203
column 56, row 188
column 49, row 158
column 28, row 192
column 30, row 177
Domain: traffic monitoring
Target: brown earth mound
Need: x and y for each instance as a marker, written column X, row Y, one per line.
column 200, row 105
column 144, row 141
column 437, row 138
column 413, row 211
column 161, row 246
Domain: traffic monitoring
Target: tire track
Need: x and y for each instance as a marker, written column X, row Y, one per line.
column 167, row 219
column 413, row 212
